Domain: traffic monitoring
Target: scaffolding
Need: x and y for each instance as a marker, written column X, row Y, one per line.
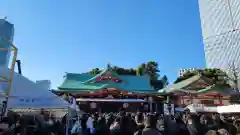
column 4, row 79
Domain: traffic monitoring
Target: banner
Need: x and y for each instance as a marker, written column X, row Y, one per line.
column 34, row 103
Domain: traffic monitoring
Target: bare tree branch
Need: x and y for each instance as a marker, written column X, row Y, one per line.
column 234, row 75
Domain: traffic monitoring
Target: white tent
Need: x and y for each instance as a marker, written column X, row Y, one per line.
column 193, row 108
column 229, row 109
column 25, row 93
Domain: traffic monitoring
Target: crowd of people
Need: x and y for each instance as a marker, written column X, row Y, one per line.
column 123, row 123
column 186, row 123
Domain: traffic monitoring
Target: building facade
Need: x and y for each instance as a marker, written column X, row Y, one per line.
column 220, row 30
column 198, row 89
column 46, row 84
column 108, row 91
column 6, row 34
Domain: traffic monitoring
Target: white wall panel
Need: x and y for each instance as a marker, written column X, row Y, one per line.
column 220, row 21
column 215, row 17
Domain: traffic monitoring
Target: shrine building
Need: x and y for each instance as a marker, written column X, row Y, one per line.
column 109, row 91
column 198, row 90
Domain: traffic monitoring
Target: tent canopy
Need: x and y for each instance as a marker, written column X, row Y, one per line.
column 229, row 109
column 25, row 93
column 193, row 108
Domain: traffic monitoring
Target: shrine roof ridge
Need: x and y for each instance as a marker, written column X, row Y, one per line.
column 76, row 81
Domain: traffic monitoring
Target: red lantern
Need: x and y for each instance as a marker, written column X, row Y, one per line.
column 117, row 80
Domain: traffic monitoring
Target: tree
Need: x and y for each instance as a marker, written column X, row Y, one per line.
column 95, row 71
column 234, row 76
column 165, row 80
column 218, row 76
column 161, row 83
column 152, row 70
column 139, row 71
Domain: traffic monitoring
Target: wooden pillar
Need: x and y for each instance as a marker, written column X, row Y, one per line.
column 191, row 99
column 220, row 99
column 182, row 98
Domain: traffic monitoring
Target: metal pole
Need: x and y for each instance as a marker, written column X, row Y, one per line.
column 11, row 75
column 67, row 122
column 19, row 66
column 10, row 81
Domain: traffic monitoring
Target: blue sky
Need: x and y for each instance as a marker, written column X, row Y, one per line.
column 58, row 36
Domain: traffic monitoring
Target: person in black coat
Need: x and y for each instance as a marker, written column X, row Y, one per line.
column 125, row 127
column 102, row 128
column 194, row 126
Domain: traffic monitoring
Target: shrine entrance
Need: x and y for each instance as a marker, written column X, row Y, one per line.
column 111, row 106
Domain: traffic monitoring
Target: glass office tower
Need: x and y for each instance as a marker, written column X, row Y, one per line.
column 6, row 32
column 220, row 21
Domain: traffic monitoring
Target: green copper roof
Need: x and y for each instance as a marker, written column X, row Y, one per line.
column 3, row 79
column 179, row 88
column 180, row 85
column 108, row 69
column 213, row 90
column 81, row 82
column 208, row 89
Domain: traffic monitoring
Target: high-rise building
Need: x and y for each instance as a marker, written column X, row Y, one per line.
column 46, row 84
column 220, row 21
column 6, row 34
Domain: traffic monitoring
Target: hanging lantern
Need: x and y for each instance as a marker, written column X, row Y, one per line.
column 125, row 105
column 93, row 105
column 150, row 99
column 117, row 80
column 130, row 93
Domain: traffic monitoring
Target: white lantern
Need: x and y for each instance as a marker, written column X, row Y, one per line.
column 125, row 105
column 93, row 105
column 150, row 99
